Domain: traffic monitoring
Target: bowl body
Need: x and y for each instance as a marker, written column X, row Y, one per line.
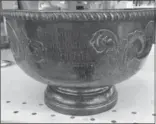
column 81, row 49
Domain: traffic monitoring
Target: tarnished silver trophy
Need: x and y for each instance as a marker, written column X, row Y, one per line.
column 80, row 49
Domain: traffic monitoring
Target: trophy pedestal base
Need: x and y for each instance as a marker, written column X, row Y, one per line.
column 80, row 101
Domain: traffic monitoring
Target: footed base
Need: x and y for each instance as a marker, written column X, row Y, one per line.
column 80, row 101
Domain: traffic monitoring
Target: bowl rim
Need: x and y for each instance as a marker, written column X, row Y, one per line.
column 80, row 11
column 81, row 15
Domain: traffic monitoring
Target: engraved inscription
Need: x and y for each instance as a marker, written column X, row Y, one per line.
column 62, row 38
column 68, row 34
column 104, row 41
column 42, row 33
column 72, row 58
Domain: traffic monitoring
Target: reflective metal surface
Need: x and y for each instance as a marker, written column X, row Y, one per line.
column 79, row 54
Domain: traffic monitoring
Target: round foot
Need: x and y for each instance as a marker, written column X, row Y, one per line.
column 80, row 101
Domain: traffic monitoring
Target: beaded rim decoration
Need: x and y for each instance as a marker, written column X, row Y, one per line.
column 107, row 15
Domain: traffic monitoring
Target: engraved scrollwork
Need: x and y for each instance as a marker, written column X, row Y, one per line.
column 135, row 47
column 139, row 43
column 104, row 41
column 37, row 50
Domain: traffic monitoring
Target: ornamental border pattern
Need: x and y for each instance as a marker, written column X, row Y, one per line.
column 107, row 15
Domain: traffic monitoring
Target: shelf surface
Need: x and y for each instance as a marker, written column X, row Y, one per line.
column 22, row 99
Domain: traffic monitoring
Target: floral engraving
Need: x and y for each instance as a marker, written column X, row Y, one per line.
column 104, row 41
